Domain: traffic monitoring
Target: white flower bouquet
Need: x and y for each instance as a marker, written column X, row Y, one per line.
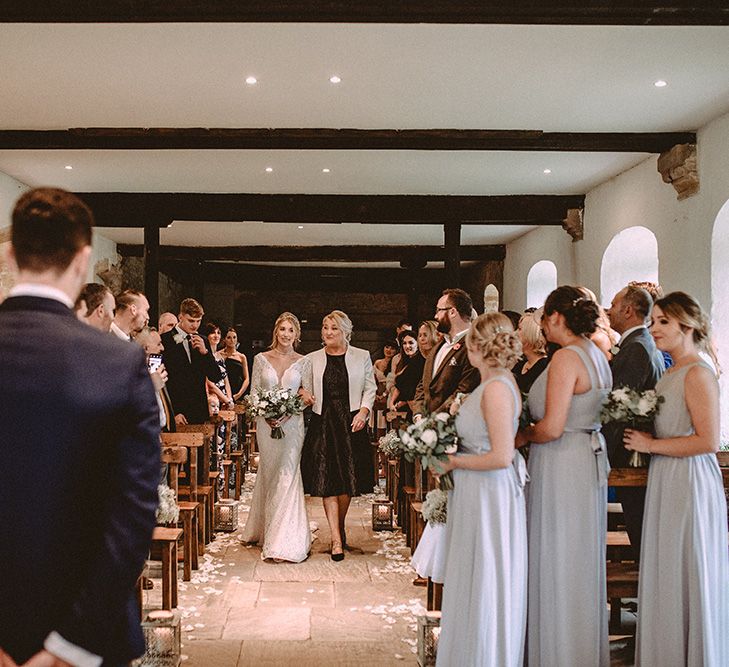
column 633, row 409
column 435, row 506
column 431, row 440
column 274, row 404
column 390, row 444
column 168, row 511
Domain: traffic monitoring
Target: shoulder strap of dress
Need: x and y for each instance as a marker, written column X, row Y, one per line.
column 589, row 365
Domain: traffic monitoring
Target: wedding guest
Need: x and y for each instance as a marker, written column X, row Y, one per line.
column 637, row 364
column 151, row 342
column 407, row 374
column 484, row 593
column 131, row 314
column 447, row 370
column 402, row 325
column 656, row 292
column 603, row 336
column 75, row 542
column 428, row 337
column 514, row 318
column 337, row 461
column 683, row 591
column 95, row 306
column 218, row 390
column 278, row 519
column 236, row 364
column 567, row 500
column 166, row 322
column 534, row 345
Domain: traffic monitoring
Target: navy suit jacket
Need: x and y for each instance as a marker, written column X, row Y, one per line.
column 79, row 445
column 639, row 365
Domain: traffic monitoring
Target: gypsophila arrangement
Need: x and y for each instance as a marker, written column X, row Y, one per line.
column 634, row 409
column 431, row 440
column 273, row 404
column 435, row 506
column 168, row 511
column 390, row 444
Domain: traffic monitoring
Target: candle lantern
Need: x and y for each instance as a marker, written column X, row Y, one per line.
column 162, row 640
column 253, row 462
column 382, row 514
column 226, row 515
column 428, row 634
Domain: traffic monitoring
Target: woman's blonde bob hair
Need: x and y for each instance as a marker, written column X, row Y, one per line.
column 531, row 332
column 294, row 321
column 342, row 321
column 492, row 336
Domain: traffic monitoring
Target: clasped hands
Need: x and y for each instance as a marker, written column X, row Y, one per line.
column 637, row 441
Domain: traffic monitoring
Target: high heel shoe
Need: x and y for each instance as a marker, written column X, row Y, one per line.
column 340, row 556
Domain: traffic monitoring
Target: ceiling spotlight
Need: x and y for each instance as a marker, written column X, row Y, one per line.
column 68, row 166
column 269, row 170
column 251, row 80
column 301, row 226
column 326, row 170
column 334, row 79
column 660, row 83
column 547, row 171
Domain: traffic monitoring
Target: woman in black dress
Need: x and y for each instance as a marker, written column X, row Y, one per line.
column 336, row 462
column 236, row 365
column 408, row 374
column 534, row 345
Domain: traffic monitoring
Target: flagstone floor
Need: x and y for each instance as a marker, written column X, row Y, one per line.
column 239, row 610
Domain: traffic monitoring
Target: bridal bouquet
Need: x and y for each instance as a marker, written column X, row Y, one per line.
column 390, row 444
column 634, row 409
column 431, row 440
column 274, row 404
column 168, row 511
column 435, row 506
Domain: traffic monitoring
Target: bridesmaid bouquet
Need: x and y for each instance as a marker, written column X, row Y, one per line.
column 431, row 440
column 435, row 506
column 274, row 404
column 390, row 444
column 634, row 409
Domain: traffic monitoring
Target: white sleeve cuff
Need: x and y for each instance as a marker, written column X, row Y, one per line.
column 69, row 652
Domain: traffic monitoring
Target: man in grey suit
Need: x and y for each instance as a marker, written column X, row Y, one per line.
column 637, row 364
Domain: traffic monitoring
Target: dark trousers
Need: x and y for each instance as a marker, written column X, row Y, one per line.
column 632, row 498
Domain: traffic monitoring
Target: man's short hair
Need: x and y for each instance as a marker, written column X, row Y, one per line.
column 461, row 301
column 142, row 336
column 93, row 295
column 49, row 227
column 654, row 289
column 127, row 298
column 640, row 300
column 192, row 308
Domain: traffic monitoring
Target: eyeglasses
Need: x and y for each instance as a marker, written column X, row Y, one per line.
column 437, row 310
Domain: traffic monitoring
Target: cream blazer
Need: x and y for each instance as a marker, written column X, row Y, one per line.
column 362, row 386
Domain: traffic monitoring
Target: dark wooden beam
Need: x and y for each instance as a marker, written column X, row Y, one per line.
column 151, row 269
column 136, row 209
column 594, row 12
column 452, row 243
column 166, row 138
column 408, row 255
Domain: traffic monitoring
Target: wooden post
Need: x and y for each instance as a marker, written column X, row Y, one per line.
column 151, row 269
column 452, row 242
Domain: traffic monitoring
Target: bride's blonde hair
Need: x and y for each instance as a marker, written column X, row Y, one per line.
column 286, row 317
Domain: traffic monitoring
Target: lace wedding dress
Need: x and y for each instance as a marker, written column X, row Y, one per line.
column 277, row 518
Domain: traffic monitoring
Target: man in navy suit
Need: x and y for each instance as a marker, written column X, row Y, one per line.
column 637, row 364
column 79, row 441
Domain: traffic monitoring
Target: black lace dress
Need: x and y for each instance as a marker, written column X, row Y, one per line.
column 334, row 460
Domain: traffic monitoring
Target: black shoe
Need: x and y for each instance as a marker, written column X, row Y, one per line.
column 337, row 557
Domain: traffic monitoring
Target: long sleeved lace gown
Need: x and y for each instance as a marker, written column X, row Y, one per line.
column 278, row 519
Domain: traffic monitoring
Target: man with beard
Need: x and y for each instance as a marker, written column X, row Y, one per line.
column 447, row 370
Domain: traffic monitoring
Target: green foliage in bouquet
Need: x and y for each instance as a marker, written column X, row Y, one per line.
column 431, row 440
column 273, row 404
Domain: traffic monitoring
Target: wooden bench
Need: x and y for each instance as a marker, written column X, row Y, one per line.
column 166, row 539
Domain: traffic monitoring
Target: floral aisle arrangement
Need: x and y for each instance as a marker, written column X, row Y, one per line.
column 390, row 444
column 633, row 409
column 168, row 511
column 274, row 404
column 431, row 440
column 435, row 506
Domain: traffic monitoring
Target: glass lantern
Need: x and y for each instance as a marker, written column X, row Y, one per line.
column 382, row 511
column 428, row 635
column 226, row 515
column 162, row 636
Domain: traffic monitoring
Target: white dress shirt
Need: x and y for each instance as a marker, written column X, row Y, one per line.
column 119, row 333
column 630, row 331
column 449, row 344
column 42, row 291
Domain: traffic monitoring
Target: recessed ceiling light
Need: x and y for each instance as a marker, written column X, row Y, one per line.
column 326, row 170
column 301, row 226
column 547, row 171
column 251, row 80
column 269, row 170
column 334, row 79
column 660, row 83
column 68, row 166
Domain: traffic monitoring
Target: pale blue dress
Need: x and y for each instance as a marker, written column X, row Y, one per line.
column 484, row 594
column 683, row 592
column 567, row 521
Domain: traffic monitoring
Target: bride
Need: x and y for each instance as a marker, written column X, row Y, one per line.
column 277, row 518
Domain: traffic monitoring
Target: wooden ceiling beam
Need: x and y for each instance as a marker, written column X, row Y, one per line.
column 578, row 12
column 166, row 138
column 349, row 253
column 138, row 209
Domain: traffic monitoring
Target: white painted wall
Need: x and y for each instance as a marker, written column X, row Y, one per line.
column 10, row 190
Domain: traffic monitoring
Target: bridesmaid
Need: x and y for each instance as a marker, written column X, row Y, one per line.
column 484, row 594
column 683, row 593
column 567, row 498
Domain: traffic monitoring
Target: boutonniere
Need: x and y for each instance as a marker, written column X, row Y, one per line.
column 457, row 346
column 614, row 350
column 453, row 362
column 179, row 337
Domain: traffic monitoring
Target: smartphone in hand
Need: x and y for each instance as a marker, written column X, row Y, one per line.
column 154, row 361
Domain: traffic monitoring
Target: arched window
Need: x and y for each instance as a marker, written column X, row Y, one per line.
column 720, row 308
column 490, row 299
column 631, row 255
column 541, row 280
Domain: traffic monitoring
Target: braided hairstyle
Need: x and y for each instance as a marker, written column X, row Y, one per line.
column 492, row 336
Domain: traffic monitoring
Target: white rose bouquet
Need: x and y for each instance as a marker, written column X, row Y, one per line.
column 274, row 404
column 431, row 440
column 634, row 409
column 390, row 444
column 435, row 506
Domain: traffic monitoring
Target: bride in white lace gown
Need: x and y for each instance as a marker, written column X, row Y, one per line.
column 277, row 519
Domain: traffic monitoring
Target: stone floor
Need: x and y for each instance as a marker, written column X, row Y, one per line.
column 239, row 610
